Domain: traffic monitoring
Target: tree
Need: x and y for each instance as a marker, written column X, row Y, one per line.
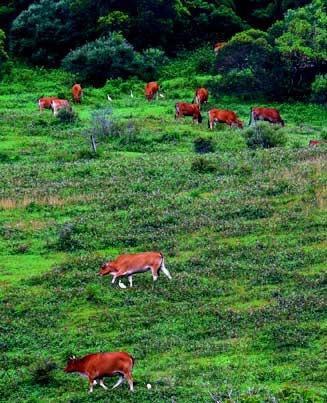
column 107, row 57
column 301, row 40
column 3, row 54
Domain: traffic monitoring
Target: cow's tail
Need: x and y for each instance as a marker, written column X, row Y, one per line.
column 163, row 267
column 133, row 361
column 176, row 110
column 251, row 116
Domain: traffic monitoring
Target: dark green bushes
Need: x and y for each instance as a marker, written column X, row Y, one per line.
column 112, row 57
column 281, row 63
column 107, row 57
column 319, row 90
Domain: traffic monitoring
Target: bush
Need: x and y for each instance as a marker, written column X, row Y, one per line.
column 203, row 165
column 3, row 54
column 319, row 89
column 68, row 238
column 148, row 63
column 264, row 135
column 243, row 83
column 203, row 145
column 42, row 372
column 44, row 32
column 104, row 127
column 66, row 116
column 105, row 58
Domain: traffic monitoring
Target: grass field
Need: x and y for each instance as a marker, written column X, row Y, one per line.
column 243, row 319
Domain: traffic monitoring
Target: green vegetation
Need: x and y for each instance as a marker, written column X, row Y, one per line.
column 243, row 232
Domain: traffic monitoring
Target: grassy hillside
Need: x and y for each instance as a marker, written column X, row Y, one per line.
column 243, row 232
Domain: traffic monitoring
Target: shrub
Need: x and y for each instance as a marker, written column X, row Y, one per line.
column 105, row 58
column 264, row 135
column 244, row 83
column 203, row 165
column 42, row 372
column 3, row 54
column 66, row 116
column 203, row 145
column 105, row 127
column 148, row 63
column 319, row 89
column 42, row 24
column 68, row 238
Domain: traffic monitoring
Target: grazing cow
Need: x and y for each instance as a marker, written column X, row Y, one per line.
column 271, row 115
column 223, row 116
column 58, row 104
column 77, row 93
column 45, row 102
column 218, row 46
column 151, row 89
column 316, row 143
column 99, row 365
column 186, row 109
column 201, row 96
column 128, row 265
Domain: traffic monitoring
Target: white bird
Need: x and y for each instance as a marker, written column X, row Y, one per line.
column 149, row 386
column 109, row 98
column 161, row 95
column 132, row 96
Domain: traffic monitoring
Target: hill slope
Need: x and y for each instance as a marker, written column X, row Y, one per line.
column 243, row 236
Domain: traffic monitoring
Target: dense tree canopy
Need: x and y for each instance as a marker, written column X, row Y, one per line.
column 44, row 32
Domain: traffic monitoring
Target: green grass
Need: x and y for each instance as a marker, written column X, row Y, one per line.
column 243, row 318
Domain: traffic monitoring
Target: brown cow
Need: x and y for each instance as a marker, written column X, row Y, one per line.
column 186, row 109
column 218, row 46
column 128, row 265
column 58, row 104
column 45, row 102
column 201, row 96
column 99, row 365
column 271, row 115
column 316, row 143
column 223, row 116
column 77, row 93
column 151, row 89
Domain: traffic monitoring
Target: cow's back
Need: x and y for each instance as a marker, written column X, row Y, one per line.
column 138, row 260
column 102, row 364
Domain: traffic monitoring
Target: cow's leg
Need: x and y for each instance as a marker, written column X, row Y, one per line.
column 157, row 95
column 119, row 382
column 154, row 272
column 102, row 384
column 91, row 385
column 129, row 378
column 130, row 279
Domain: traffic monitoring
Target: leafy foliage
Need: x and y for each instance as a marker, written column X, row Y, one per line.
column 319, row 89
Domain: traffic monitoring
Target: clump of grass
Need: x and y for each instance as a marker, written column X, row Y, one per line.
column 203, row 145
column 264, row 135
column 67, row 116
column 203, row 165
column 42, row 372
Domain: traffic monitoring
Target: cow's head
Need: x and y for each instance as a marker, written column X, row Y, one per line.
column 71, row 364
column 106, row 269
column 239, row 123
